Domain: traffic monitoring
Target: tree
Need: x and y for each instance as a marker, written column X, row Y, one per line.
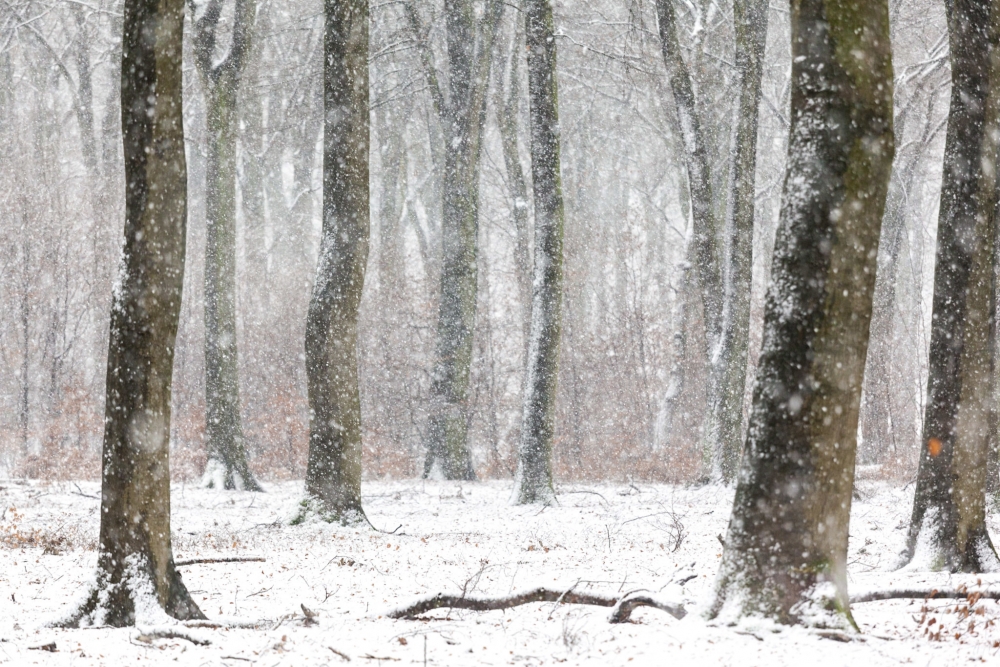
column 136, row 572
column 722, row 272
column 948, row 524
column 533, row 481
column 333, row 473
column 227, row 458
column 785, row 556
column 462, row 118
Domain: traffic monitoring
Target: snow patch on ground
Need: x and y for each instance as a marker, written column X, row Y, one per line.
column 454, row 536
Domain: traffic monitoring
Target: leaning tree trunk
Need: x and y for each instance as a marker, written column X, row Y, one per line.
column 948, row 525
column 785, row 557
column 135, row 566
column 448, row 454
column 227, row 466
column 333, row 473
column 533, row 481
column 728, row 365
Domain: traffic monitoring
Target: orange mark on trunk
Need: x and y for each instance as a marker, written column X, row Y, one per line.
column 934, row 447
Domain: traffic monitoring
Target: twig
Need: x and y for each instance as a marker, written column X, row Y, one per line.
column 342, row 655
column 623, row 604
column 79, row 492
column 235, row 559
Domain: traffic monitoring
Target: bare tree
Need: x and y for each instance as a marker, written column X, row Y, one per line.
column 533, row 481
column 948, row 525
column 333, row 474
column 136, row 570
column 785, row 556
column 227, row 458
column 462, row 117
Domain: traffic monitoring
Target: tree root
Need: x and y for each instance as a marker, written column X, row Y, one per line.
column 623, row 606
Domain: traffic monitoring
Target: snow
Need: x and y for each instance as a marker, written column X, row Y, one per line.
column 452, row 536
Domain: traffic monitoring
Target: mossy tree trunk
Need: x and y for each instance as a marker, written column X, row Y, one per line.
column 785, row 556
column 227, row 458
column 136, row 572
column 333, row 472
column 533, row 480
column 948, row 524
column 463, row 117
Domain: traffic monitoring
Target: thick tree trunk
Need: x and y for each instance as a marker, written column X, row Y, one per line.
column 448, row 452
column 533, row 481
column 728, row 366
column 786, row 551
column 136, row 572
column 227, row 466
column 333, row 473
column 948, row 525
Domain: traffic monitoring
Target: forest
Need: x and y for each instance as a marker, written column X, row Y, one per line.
column 476, row 332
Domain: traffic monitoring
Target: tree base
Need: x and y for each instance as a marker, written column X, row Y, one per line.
column 131, row 599
column 312, row 508
column 218, row 475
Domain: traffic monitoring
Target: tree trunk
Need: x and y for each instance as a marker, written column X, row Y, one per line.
column 533, row 480
column 333, row 474
column 506, row 105
column 728, row 366
column 948, row 525
column 785, row 557
column 448, row 454
column 227, row 466
column 136, row 573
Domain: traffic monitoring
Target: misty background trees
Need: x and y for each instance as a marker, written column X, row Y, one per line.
column 634, row 387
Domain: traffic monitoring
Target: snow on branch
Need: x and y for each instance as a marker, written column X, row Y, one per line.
column 622, row 606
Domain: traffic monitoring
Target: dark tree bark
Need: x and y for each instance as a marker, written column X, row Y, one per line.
column 227, row 466
column 463, row 116
column 333, row 473
column 136, row 572
column 785, row 556
column 948, row 525
column 533, row 481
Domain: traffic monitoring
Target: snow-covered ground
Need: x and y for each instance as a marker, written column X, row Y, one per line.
column 449, row 537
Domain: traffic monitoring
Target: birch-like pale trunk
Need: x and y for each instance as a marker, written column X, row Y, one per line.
column 533, row 480
column 785, row 555
column 948, row 524
column 135, row 564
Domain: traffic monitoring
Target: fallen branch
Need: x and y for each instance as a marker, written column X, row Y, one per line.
column 149, row 634
column 924, row 593
column 624, row 605
column 622, row 611
column 234, row 559
column 235, row 623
